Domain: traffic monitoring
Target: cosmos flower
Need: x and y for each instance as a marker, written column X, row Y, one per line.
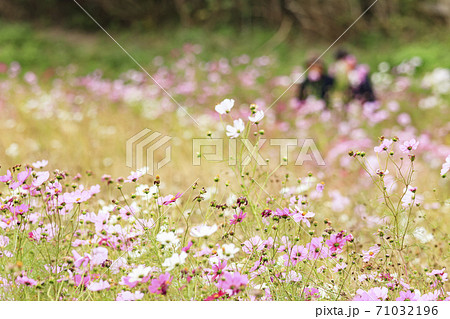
column 225, row 106
column 232, row 283
column 237, row 128
column 254, row 243
column 169, row 199
column 40, row 164
column 339, row 267
column 215, row 296
column 257, row 117
column 203, row 230
column 161, row 284
column 98, row 285
column 238, row 218
column 384, row 146
column 409, row 146
column 175, row 260
column 369, row 254
column 23, row 279
column 373, row 294
column 168, row 238
column 129, row 296
column 446, row 166
column 139, row 274
column 302, row 216
column 21, row 178
column 409, row 296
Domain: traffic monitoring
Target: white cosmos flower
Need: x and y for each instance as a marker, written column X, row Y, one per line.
column 237, row 129
column 423, row 235
column 167, row 238
column 175, row 260
column 257, row 117
column 203, row 230
column 140, row 190
column 225, row 106
column 445, row 166
column 228, row 251
column 40, row 164
column 138, row 273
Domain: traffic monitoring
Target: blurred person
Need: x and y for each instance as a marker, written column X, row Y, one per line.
column 352, row 78
column 317, row 83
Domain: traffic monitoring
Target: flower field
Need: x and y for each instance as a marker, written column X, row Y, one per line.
column 306, row 202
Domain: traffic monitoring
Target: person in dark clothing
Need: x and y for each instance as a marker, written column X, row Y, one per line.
column 356, row 77
column 317, row 82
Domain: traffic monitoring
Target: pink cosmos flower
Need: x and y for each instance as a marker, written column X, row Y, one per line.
column 440, row 275
column 7, row 177
column 339, row 267
column 99, row 255
column 253, row 244
column 384, row 146
column 41, row 177
column 78, row 197
column 374, row 294
column 4, row 241
column 81, row 261
column 297, row 254
column 24, row 280
column 320, row 187
column 219, row 269
column 311, row 293
column 268, row 243
column 408, row 296
column 169, row 199
column 129, row 296
column 292, row 276
column 186, row 249
column 431, row 296
column 82, row 280
column 161, row 284
column 232, row 283
column 283, row 213
column 238, row 218
column 135, row 176
column 21, row 178
column 317, row 249
column 99, row 285
column 409, row 146
column 19, row 210
column 336, row 242
column 369, row 254
column 302, row 216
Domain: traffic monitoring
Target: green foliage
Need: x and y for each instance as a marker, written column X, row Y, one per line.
column 42, row 49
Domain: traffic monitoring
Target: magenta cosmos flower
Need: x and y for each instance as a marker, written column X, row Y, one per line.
column 237, row 218
column 161, row 284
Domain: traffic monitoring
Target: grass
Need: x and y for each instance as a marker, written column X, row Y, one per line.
column 41, row 49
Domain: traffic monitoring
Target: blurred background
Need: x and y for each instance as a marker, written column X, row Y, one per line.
column 33, row 30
